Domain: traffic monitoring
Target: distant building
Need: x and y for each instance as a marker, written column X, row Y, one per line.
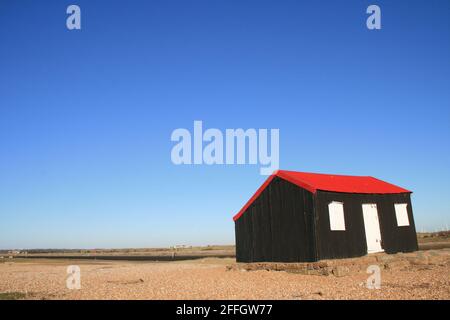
column 181, row 246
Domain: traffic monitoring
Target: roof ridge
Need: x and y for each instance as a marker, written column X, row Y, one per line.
column 327, row 174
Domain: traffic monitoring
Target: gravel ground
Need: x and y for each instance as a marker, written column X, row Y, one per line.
column 209, row 279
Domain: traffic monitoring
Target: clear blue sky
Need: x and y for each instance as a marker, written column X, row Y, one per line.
column 86, row 116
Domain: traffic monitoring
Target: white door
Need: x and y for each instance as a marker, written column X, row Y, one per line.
column 372, row 226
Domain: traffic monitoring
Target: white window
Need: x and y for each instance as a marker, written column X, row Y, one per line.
column 401, row 214
column 336, row 212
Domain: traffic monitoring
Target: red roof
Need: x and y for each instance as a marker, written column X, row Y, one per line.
column 328, row 182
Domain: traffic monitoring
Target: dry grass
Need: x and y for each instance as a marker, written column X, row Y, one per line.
column 12, row 295
column 442, row 236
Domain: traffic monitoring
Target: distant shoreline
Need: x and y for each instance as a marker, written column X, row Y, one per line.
column 427, row 241
column 155, row 258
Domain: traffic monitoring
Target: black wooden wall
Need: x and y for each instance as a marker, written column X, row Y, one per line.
column 278, row 226
column 352, row 241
